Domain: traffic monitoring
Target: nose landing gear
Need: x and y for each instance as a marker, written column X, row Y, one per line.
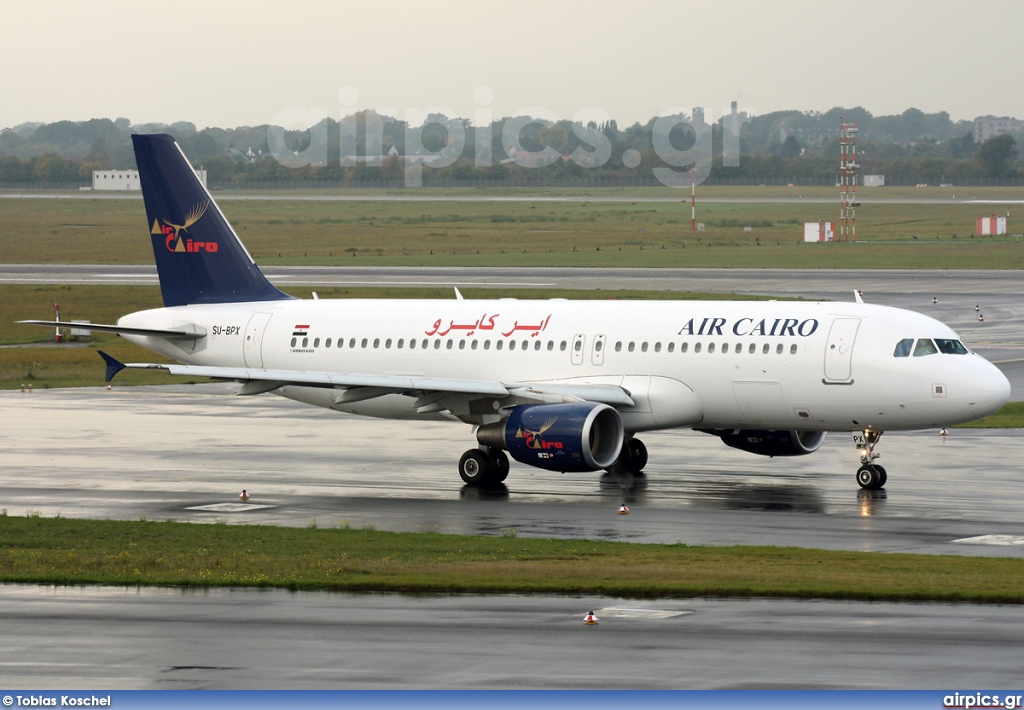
column 870, row 476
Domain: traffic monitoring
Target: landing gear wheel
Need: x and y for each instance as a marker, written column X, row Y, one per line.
column 637, row 456
column 475, row 467
column 871, row 477
column 882, row 476
column 499, row 464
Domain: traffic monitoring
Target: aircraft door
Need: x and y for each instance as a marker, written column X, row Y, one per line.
column 578, row 343
column 598, row 350
column 839, row 350
column 252, row 346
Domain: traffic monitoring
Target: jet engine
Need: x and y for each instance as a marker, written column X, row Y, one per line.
column 771, row 443
column 576, row 436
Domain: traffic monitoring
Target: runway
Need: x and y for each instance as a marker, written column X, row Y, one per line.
column 186, row 452
column 87, row 638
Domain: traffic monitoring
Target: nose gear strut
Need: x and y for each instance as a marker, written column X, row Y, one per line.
column 870, row 476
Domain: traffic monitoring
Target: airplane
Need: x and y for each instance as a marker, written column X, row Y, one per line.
column 556, row 384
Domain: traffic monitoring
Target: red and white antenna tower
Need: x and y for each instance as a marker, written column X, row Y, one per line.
column 847, row 180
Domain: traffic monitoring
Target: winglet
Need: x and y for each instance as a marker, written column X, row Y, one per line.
column 114, row 365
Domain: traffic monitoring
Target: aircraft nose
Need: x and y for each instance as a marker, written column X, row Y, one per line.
column 987, row 389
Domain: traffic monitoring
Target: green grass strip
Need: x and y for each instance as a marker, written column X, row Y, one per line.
column 66, row 551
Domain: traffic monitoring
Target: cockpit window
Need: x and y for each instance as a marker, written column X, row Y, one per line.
column 903, row 348
column 951, row 347
column 925, row 347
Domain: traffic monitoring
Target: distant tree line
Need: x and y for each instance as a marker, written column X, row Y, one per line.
column 801, row 146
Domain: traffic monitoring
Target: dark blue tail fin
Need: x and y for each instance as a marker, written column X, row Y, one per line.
column 199, row 258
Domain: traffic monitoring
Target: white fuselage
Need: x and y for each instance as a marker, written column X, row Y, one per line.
column 708, row 364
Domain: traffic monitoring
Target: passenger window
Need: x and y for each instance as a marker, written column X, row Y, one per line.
column 903, row 348
column 711, row 347
column 752, row 349
column 316, row 343
column 925, row 347
column 462, row 344
column 305, row 342
column 696, row 347
column 352, row 343
column 487, row 345
column 412, row 343
column 725, row 347
column 578, row 345
column 511, row 345
column 327, row 343
column 424, row 344
column 473, row 346
column 792, row 349
column 376, row 343
column 293, row 342
column 437, row 345
column 643, row 347
column 599, row 345
column 525, row 345
column 950, row 347
column 401, row 343
column 387, row 343
column 536, row 345
column 778, row 349
column 684, row 347
column 631, row 347
column 551, row 345
column 498, row 345
column 448, row 344
column 562, row 346
column 618, row 346
column 764, row 350
column 671, row 347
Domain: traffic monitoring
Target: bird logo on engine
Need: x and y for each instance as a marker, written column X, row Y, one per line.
column 534, row 439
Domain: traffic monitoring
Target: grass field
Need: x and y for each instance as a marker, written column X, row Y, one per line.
column 60, row 551
column 533, row 233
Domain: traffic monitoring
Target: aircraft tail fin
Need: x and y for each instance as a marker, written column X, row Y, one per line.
column 199, row 258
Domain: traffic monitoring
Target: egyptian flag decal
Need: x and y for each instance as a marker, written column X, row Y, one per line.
column 300, row 330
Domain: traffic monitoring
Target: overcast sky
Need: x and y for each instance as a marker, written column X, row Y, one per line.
column 231, row 63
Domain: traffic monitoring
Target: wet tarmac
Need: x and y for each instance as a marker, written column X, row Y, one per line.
column 89, row 638
column 187, row 451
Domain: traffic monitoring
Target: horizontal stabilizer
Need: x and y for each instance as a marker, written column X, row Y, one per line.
column 183, row 333
column 114, row 365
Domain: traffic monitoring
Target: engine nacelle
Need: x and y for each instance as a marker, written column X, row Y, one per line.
column 771, row 443
column 577, row 436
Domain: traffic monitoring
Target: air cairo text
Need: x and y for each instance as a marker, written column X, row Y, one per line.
column 748, row 326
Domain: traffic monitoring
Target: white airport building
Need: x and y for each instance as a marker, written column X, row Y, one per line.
column 126, row 179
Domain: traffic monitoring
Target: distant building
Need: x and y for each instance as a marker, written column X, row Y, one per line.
column 819, row 231
column 996, row 224
column 125, row 179
column 986, row 127
column 874, row 181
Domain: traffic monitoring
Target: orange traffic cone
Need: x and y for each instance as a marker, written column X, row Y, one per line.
column 244, row 496
column 623, row 510
column 591, row 619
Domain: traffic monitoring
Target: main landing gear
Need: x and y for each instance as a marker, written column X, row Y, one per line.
column 870, row 476
column 632, row 459
column 482, row 467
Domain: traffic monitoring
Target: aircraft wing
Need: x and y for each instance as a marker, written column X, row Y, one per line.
column 359, row 387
